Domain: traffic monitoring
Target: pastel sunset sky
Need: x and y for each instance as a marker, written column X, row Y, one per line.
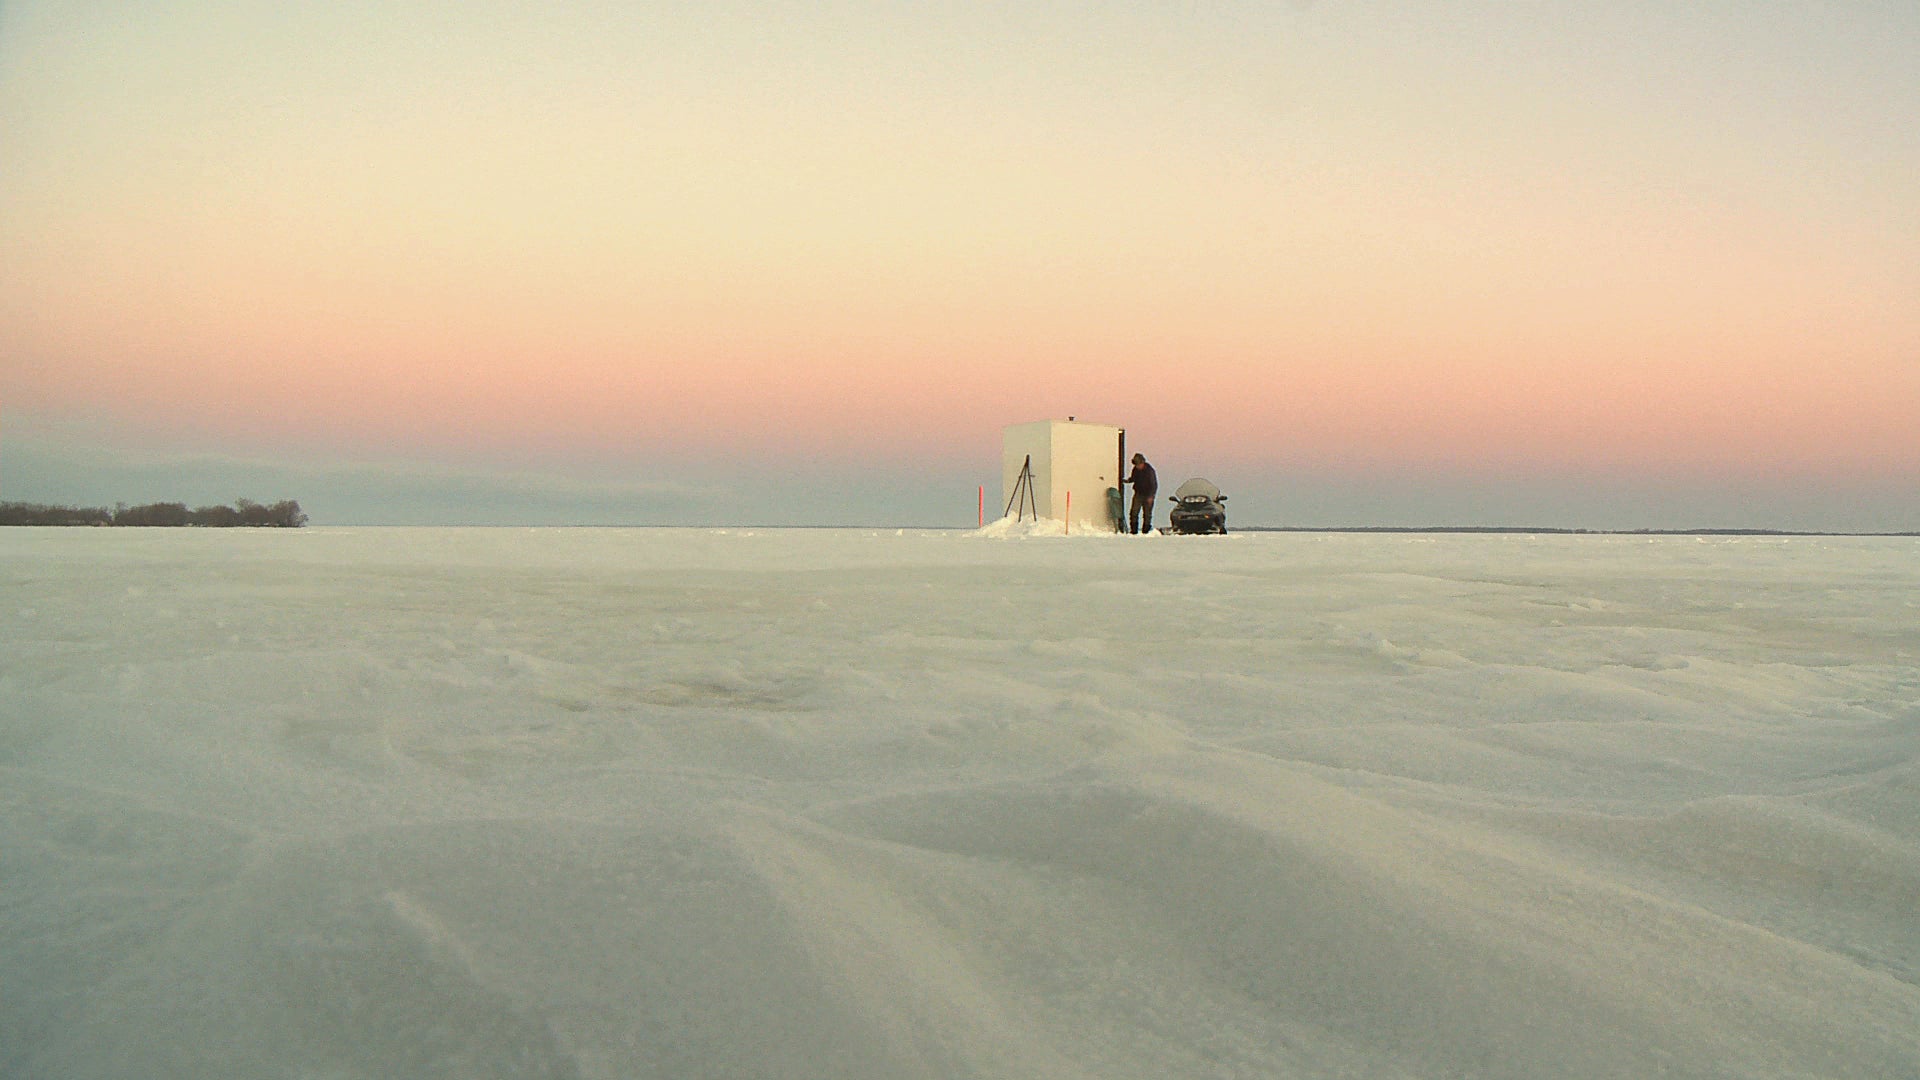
column 1608, row 265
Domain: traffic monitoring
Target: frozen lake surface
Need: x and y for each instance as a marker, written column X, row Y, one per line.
column 849, row 804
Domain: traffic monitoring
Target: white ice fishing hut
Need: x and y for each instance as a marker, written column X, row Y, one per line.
column 1068, row 461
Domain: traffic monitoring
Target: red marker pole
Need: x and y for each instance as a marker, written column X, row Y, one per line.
column 983, row 506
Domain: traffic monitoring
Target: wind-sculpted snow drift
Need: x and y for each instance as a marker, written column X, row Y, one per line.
column 677, row 803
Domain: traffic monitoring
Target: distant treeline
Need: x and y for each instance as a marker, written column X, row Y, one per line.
column 243, row 513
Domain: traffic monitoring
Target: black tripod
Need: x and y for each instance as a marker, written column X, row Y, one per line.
column 1022, row 499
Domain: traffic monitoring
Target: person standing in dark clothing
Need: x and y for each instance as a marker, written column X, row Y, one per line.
column 1145, row 486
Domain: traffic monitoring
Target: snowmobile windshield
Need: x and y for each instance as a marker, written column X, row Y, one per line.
column 1197, row 489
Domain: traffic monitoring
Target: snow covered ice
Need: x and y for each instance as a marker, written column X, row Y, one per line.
column 857, row 804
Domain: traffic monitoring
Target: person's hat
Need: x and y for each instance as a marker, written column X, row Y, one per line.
column 1140, row 459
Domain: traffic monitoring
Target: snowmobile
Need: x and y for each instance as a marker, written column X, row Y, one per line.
column 1197, row 508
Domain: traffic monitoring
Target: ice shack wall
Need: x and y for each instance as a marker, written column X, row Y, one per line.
column 1016, row 444
column 1085, row 460
column 1068, row 456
